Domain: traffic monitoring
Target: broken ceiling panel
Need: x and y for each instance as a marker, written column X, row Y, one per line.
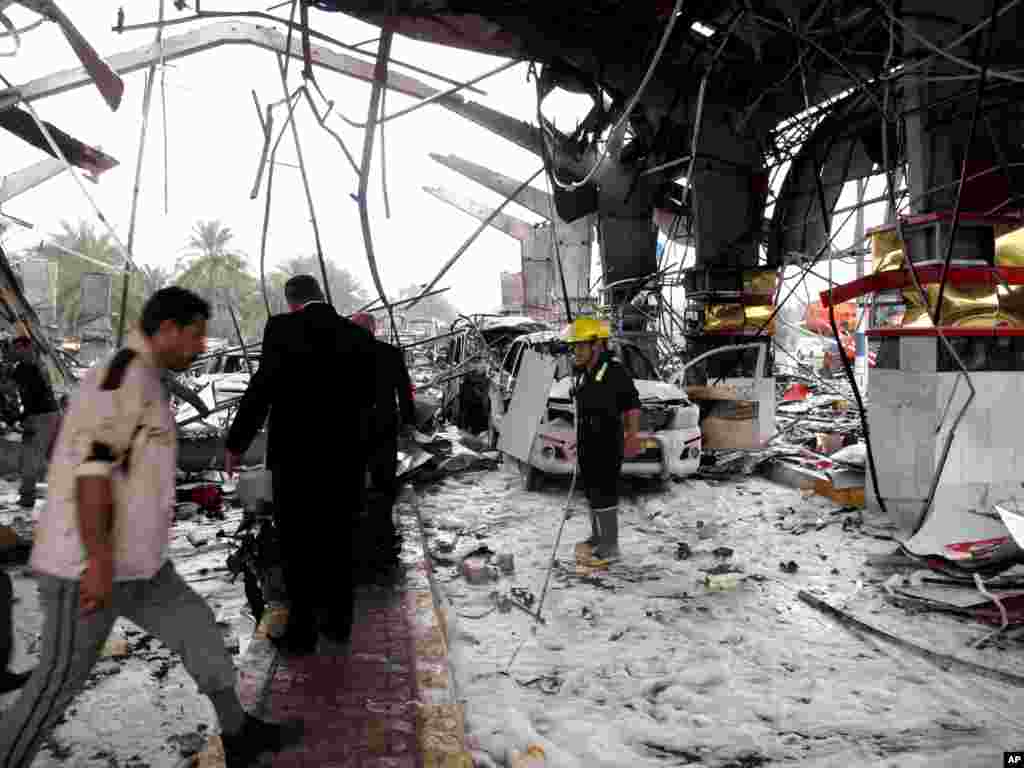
column 20, row 123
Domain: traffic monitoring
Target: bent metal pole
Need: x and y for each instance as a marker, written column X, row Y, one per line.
column 146, row 100
column 472, row 238
column 380, row 74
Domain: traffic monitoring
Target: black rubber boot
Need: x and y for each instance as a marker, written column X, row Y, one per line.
column 608, row 549
column 595, row 532
column 258, row 737
column 12, row 681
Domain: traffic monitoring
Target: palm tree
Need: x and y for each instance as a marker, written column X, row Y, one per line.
column 346, row 292
column 82, row 238
column 153, row 278
column 218, row 274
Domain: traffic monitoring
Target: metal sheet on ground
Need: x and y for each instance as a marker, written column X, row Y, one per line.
column 530, row 399
column 958, row 597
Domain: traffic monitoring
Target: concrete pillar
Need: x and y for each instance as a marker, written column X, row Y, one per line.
column 574, row 238
column 538, row 276
column 728, row 213
column 929, row 144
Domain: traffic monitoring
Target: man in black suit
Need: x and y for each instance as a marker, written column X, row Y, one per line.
column 394, row 411
column 317, row 379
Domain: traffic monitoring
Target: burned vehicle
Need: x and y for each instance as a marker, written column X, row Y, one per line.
column 669, row 431
column 476, row 348
column 227, row 374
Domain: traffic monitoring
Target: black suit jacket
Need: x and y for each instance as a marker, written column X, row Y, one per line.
column 317, row 378
column 392, row 381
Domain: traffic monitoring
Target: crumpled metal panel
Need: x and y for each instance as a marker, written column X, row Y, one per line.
column 738, row 318
column 20, row 123
column 963, row 306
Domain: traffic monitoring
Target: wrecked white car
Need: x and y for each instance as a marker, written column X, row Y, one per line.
column 228, row 374
column 669, row 423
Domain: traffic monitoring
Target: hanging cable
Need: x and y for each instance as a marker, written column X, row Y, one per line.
column 911, row 66
column 59, row 154
column 322, row 120
column 554, row 219
column 146, row 98
column 472, row 238
column 163, row 117
column 270, row 196
column 440, row 96
column 860, row 82
column 380, row 73
column 384, row 157
column 624, row 118
column 942, row 53
column 841, row 348
column 305, row 179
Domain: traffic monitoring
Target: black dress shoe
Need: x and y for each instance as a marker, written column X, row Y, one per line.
column 292, row 645
column 257, row 738
column 12, row 681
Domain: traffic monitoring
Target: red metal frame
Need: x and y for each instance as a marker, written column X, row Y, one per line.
column 895, row 279
column 928, row 218
column 946, row 331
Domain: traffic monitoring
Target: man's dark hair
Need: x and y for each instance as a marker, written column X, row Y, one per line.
column 302, row 288
column 180, row 306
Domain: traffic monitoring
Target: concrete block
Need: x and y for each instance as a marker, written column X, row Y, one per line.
column 918, row 354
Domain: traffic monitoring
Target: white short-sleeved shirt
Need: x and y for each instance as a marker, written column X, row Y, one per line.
column 128, row 434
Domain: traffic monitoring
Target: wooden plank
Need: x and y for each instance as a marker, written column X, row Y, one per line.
column 845, row 497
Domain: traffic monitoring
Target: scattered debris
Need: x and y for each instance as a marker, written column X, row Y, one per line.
column 942, row 660
column 116, row 647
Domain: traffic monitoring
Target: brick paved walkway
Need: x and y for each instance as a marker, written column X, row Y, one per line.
column 387, row 704
column 360, row 709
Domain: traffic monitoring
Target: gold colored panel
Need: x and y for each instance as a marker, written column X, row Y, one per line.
column 759, row 281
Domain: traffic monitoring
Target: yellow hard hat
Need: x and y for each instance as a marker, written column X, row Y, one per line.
column 585, row 329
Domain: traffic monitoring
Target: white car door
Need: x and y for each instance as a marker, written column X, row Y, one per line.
column 529, row 403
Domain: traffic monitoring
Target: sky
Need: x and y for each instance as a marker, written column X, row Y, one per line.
column 214, row 141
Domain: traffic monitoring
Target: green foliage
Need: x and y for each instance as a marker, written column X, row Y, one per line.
column 346, row 292
column 218, row 273
column 82, row 238
column 208, row 265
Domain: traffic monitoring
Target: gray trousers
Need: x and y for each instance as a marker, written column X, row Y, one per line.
column 34, row 442
column 165, row 606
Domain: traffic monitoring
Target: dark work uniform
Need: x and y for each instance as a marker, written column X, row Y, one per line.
column 39, row 421
column 6, row 621
column 603, row 395
column 393, row 409
column 34, row 388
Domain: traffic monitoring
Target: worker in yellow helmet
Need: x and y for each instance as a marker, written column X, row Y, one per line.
column 607, row 423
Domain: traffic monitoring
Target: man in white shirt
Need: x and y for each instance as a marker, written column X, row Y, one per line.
column 101, row 542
